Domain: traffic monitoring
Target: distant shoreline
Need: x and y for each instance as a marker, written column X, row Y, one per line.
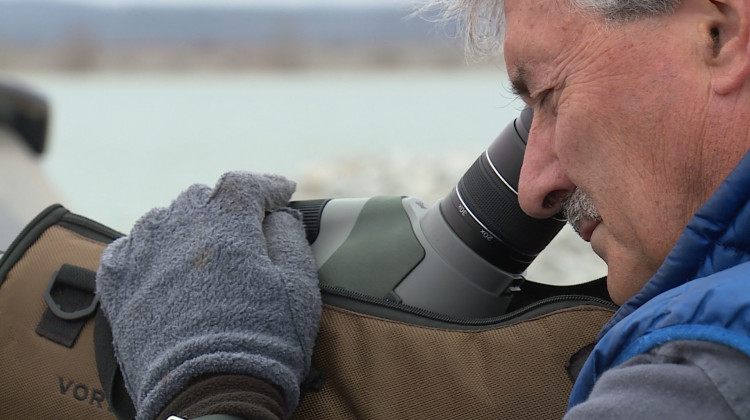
column 66, row 37
column 81, row 58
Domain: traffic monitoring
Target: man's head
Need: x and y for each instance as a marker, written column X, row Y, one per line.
column 644, row 106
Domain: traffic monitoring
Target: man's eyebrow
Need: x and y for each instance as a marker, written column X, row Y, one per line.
column 518, row 81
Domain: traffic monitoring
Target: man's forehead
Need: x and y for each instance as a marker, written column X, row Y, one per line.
column 537, row 34
column 537, row 9
column 537, row 19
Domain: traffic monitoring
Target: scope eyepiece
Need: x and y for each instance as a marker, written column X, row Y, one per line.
column 483, row 209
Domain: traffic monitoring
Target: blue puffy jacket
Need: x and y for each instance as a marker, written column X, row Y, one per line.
column 701, row 292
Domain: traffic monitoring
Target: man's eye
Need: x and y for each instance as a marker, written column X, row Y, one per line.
column 544, row 97
column 546, row 100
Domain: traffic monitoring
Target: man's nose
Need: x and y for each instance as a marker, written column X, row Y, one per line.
column 542, row 185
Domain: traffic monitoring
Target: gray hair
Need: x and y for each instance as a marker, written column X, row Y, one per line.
column 482, row 21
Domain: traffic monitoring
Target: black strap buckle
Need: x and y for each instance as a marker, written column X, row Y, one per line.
column 76, row 278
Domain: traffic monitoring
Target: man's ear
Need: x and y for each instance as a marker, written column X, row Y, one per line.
column 727, row 30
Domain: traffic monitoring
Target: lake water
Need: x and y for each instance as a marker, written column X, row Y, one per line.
column 123, row 143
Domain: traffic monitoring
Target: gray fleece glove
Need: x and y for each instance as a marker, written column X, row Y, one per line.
column 220, row 282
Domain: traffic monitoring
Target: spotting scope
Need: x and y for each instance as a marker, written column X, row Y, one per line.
column 463, row 256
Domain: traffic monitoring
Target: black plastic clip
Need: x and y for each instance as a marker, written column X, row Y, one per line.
column 79, row 278
column 71, row 298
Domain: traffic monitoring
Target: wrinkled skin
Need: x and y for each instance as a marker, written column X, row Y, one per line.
column 636, row 115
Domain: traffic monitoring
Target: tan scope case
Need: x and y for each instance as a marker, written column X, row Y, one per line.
column 378, row 360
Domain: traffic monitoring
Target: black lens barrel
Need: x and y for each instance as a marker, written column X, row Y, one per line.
column 483, row 209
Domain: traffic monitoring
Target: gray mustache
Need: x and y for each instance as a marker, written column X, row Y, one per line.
column 578, row 207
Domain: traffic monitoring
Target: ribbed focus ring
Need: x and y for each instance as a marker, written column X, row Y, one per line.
column 311, row 212
column 497, row 208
